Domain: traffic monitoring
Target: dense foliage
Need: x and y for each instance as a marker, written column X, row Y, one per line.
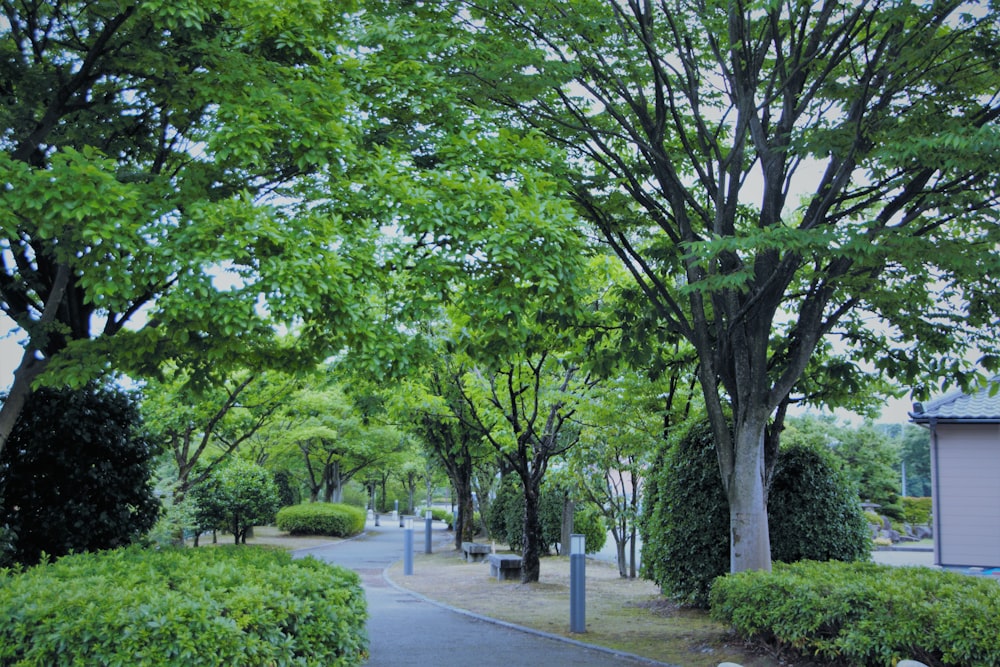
column 334, row 519
column 772, row 174
column 220, row 606
column 865, row 614
column 685, row 527
column 235, row 498
column 917, row 511
column 75, row 475
column 505, row 518
column 813, row 513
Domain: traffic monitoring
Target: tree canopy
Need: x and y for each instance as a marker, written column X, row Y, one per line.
column 772, row 174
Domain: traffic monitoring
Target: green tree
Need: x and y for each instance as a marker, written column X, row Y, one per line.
column 523, row 407
column 864, row 453
column 214, row 422
column 771, row 174
column 160, row 162
column 432, row 404
column 331, row 438
column 915, row 454
column 236, row 497
column 77, row 474
column 626, row 418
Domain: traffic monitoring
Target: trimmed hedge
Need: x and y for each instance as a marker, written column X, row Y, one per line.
column 335, row 519
column 219, row 606
column 864, row 613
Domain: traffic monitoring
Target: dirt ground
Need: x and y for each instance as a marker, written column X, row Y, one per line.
column 271, row 536
column 626, row 615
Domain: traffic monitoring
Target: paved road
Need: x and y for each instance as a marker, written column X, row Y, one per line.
column 407, row 631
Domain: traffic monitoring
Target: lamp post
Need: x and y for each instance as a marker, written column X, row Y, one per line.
column 428, row 519
column 408, row 546
column 577, row 583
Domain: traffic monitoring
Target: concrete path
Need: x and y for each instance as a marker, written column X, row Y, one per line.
column 406, row 630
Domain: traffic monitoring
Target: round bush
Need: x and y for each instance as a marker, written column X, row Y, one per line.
column 213, row 606
column 812, row 513
column 75, row 475
column 685, row 529
column 332, row 519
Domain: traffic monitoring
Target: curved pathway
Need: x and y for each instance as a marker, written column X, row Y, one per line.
column 407, row 630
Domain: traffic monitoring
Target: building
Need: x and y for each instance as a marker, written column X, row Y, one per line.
column 965, row 475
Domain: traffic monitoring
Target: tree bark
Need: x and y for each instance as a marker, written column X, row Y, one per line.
column 465, row 525
column 750, row 543
column 31, row 366
column 569, row 513
column 531, row 555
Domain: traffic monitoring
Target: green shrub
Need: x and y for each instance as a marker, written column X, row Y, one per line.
column 75, row 475
column 863, row 613
column 219, row 606
column 685, row 530
column 505, row 520
column 437, row 514
column 812, row 514
column 917, row 511
column 588, row 521
column 813, row 511
column 333, row 519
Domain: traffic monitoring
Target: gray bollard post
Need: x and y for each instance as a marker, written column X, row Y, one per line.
column 577, row 583
column 428, row 520
column 376, row 518
column 408, row 547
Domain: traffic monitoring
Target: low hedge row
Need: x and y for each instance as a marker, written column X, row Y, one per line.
column 218, row 606
column 333, row 519
column 865, row 613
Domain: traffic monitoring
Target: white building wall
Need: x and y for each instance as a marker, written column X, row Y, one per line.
column 966, row 462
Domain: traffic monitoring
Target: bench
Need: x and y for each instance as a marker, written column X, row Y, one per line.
column 505, row 566
column 475, row 552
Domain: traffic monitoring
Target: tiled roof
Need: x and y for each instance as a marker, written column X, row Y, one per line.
column 984, row 405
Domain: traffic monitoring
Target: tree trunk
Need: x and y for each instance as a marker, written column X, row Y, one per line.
column 20, row 391
column 465, row 525
column 31, row 366
column 620, row 555
column 631, row 547
column 750, row 544
column 530, row 556
column 569, row 512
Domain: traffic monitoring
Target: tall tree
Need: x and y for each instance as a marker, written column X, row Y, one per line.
column 432, row 405
column 523, row 407
column 201, row 427
column 771, row 174
column 181, row 177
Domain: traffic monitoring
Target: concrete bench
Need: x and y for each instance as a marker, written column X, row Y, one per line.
column 505, row 566
column 475, row 552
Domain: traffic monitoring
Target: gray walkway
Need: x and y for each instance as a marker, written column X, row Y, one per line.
column 407, row 630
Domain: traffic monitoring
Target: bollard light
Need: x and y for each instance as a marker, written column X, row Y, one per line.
column 428, row 520
column 408, row 547
column 577, row 583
